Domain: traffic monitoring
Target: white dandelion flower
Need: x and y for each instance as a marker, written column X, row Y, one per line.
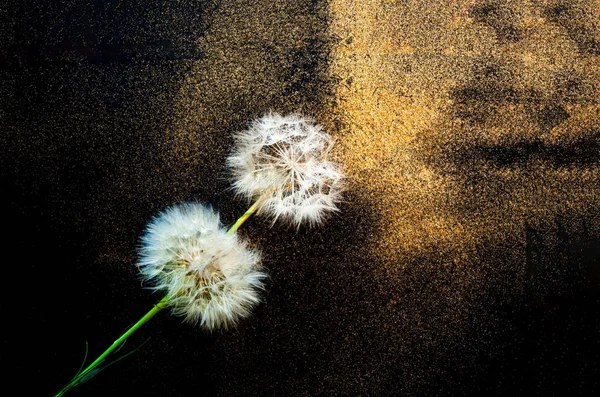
column 282, row 161
column 210, row 276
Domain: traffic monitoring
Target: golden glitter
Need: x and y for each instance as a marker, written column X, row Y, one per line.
column 464, row 127
column 424, row 103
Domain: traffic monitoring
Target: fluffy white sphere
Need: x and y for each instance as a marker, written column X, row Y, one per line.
column 210, row 277
column 285, row 158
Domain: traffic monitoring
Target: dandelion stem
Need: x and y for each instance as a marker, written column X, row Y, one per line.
column 253, row 208
column 79, row 378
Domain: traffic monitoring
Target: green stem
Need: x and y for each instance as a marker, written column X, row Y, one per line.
column 157, row 308
column 244, row 217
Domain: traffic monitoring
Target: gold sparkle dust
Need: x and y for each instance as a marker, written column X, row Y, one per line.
column 404, row 67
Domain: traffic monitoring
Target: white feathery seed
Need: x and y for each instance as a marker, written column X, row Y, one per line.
column 285, row 158
column 210, row 277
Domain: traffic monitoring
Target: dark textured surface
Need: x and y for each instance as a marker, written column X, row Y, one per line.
column 483, row 279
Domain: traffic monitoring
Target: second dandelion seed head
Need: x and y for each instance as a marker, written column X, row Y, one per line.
column 284, row 162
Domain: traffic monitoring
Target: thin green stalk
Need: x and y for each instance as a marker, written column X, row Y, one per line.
column 116, row 344
column 80, row 377
column 244, row 217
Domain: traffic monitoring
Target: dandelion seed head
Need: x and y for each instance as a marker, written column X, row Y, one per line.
column 211, row 278
column 286, row 158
